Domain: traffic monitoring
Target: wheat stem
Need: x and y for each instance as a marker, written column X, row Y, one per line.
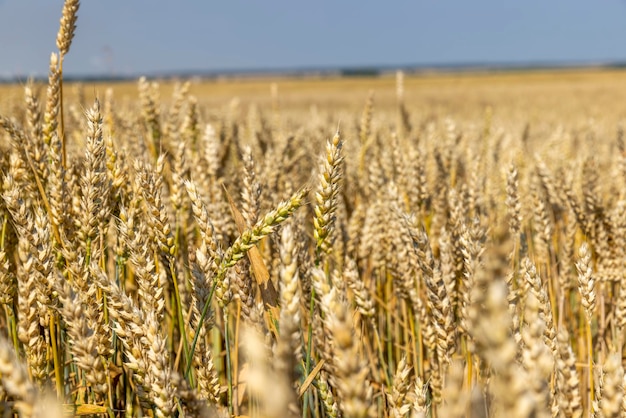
column 55, row 356
column 229, row 376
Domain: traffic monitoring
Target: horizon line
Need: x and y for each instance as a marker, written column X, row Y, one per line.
column 329, row 71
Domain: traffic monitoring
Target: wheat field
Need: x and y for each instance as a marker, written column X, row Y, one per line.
column 435, row 245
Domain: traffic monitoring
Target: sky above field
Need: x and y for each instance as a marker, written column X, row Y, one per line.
column 131, row 37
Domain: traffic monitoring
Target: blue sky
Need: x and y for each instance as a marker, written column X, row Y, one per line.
column 130, row 37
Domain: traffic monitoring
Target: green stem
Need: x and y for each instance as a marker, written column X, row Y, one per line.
column 309, row 349
column 179, row 309
column 229, row 376
column 55, row 357
column 12, row 326
column 4, row 231
column 205, row 310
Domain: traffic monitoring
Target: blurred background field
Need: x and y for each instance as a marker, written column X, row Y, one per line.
column 537, row 95
column 542, row 100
